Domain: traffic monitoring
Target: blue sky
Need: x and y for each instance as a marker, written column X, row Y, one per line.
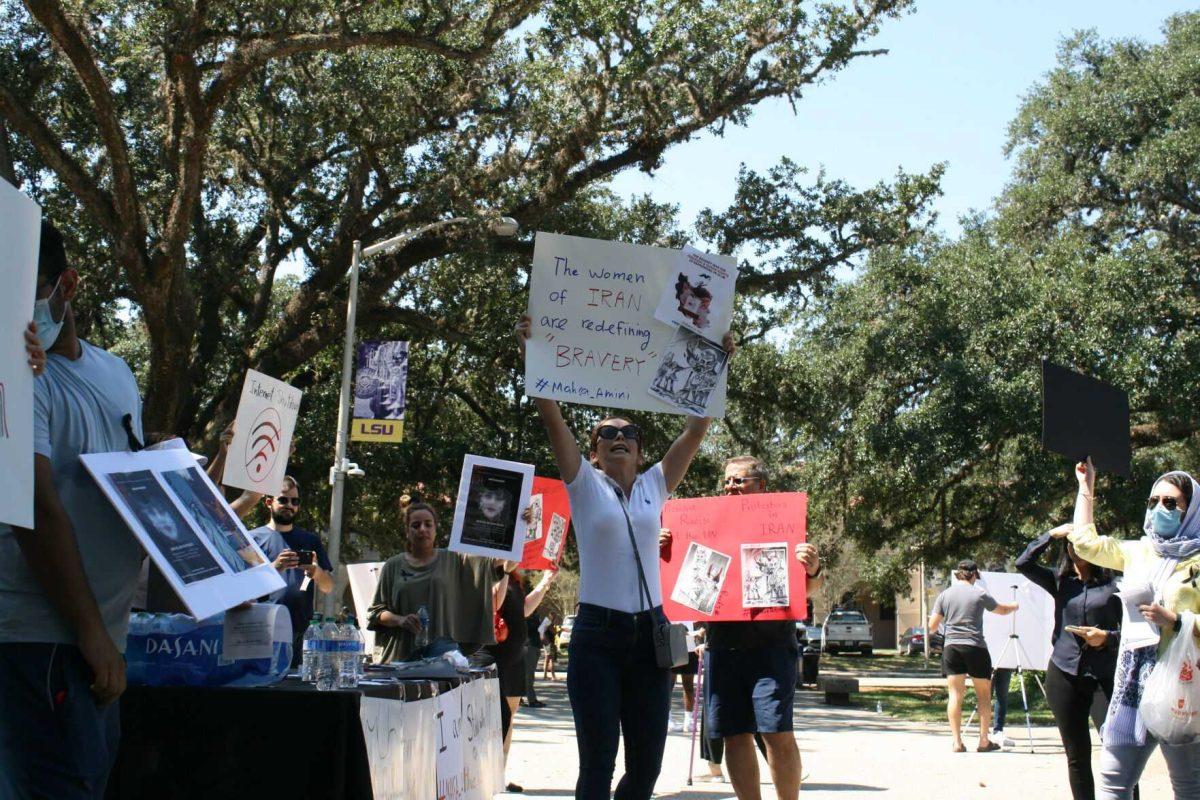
column 946, row 91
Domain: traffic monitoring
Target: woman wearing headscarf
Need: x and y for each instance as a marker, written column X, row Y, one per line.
column 1079, row 678
column 1165, row 561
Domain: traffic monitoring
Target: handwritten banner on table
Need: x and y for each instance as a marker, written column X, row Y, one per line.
column 400, row 739
column 20, row 231
column 594, row 338
column 543, row 551
column 470, row 749
column 732, row 559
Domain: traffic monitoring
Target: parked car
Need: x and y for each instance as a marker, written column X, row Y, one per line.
column 564, row 631
column 912, row 642
column 846, row 629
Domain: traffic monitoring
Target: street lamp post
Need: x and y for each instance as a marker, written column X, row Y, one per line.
column 342, row 467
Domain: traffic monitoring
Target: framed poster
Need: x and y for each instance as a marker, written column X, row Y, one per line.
column 732, row 558
column 182, row 520
column 492, row 496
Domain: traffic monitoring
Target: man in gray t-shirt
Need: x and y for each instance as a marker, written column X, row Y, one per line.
column 66, row 585
column 960, row 608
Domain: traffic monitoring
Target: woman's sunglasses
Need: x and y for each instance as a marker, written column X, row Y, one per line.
column 1169, row 503
column 630, row 432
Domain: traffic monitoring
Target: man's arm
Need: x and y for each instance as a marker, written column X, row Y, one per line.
column 1004, row 609
column 935, row 622
column 52, row 553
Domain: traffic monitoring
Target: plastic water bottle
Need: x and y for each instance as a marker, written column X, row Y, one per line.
column 308, row 662
column 352, row 652
column 326, row 677
column 422, row 639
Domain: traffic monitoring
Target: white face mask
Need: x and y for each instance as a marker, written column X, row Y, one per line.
column 47, row 327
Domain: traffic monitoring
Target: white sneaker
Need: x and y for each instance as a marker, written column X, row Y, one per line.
column 999, row 738
column 689, row 721
column 674, row 725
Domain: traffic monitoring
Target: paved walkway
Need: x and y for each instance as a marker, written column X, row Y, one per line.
column 848, row 753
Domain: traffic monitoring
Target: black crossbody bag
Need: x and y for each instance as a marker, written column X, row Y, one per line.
column 670, row 639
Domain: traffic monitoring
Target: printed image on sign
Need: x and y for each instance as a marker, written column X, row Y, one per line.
column 765, row 575
column 534, row 532
column 20, row 231
column 594, row 338
column 701, row 297
column 760, row 532
column 198, row 544
column 688, row 372
column 262, row 438
column 492, row 496
column 380, row 385
column 701, row 577
column 554, row 503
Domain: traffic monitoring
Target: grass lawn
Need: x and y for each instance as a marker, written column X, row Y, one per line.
column 881, row 661
column 929, row 705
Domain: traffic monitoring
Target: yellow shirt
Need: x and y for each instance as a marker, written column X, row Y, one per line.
column 1137, row 557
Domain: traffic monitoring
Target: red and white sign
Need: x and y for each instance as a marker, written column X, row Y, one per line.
column 262, row 438
column 545, row 551
column 732, row 559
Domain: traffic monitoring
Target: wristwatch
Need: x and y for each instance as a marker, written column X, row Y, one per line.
column 1178, row 626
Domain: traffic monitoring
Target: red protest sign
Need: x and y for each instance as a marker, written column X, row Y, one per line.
column 545, row 551
column 732, row 559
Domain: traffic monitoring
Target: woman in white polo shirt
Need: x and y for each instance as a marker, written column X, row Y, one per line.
column 613, row 680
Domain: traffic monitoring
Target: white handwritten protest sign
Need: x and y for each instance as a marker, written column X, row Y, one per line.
column 450, row 746
column 364, row 578
column 262, row 440
column 401, row 742
column 20, row 231
column 594, row 336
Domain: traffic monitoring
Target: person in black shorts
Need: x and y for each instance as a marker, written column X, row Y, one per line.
column 965, row 652
column 750, row 674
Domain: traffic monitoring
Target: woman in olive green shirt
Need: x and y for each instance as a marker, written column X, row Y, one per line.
column 456, row 590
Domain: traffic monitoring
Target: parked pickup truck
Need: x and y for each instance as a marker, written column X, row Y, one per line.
column 847, row 630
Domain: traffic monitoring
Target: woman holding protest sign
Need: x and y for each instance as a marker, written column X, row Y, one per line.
column 613, row 679
column 1079, row 678
column 453, row 589
column 1160, row 569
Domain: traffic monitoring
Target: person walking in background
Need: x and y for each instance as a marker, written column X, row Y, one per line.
column 964, row 652
column 614, row 682
column 67, row 585
column 1001, row 679
column 550, row 648
column 1162, row 565
column 1079, row 678
column 750, row 674
column 534, row 625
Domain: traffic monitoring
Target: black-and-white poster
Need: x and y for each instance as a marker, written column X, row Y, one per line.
column 765, row 575
column 534, row 531
column 701, row 578
column 212, row 518
column 555, row 538
column 492, row 497
column 165, row 525
column 688, row 371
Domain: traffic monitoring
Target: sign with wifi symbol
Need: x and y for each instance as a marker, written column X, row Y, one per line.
column 262, row 435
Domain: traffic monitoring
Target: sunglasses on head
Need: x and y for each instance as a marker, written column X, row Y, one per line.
column 288, row 501
column 739, row 480
column 630, row 432
column 1169, row 503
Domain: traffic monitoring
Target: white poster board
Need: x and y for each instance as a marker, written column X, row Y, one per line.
column 1033, row 622
column 492, row 497
column 449, row 758
column 401, row 741
column 262, row 438
column 20, row 233
column 182, row 520
column 470, row 757
column 364, row 578
column 594, row 338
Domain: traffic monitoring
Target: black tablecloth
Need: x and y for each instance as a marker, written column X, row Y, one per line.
column 286, row 741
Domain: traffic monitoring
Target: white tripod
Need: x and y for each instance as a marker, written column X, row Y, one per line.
column 1014, row 643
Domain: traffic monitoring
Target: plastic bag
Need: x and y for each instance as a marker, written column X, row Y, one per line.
column 177, row 650
column 1170, row 705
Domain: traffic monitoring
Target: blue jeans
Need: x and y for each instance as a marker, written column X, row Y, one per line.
column 54, row 740
column 615, row 686
column 1001, row 679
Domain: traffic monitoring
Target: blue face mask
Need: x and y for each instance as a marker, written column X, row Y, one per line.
column 47, row 327
column 1165, row 524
